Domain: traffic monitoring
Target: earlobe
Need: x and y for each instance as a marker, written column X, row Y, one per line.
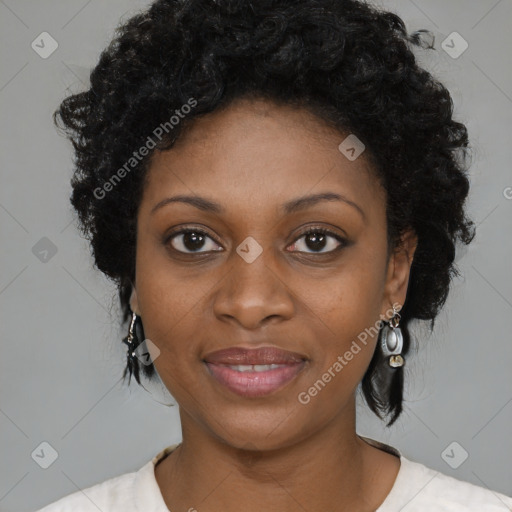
column 134, row 304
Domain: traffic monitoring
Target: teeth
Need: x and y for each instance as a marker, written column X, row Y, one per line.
column 255, row 367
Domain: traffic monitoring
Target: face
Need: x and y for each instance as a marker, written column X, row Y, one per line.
column 246, row 273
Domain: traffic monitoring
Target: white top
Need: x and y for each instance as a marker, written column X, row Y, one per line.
column 417, row 488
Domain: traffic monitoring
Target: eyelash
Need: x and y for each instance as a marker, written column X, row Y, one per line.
column 312, row 229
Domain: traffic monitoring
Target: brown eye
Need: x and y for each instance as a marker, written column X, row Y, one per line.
column 318, row 239
column 191, row 241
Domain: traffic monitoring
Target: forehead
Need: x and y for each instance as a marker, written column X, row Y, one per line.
column 256, row 153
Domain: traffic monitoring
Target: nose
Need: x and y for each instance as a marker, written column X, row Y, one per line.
column 253, row 294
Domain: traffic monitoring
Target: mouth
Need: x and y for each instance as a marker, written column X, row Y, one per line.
column 254, row 372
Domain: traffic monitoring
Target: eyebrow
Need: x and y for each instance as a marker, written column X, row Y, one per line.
column 292, row 206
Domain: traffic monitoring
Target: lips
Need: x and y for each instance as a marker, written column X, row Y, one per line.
column 254, row 372
column 258, row 356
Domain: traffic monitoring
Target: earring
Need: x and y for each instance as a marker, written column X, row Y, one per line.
column 392, row 341
column 132, row 363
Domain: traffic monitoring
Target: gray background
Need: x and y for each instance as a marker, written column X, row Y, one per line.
column 61, row 357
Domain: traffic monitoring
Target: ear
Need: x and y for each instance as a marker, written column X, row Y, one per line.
column 398, row 271
column 134, row 304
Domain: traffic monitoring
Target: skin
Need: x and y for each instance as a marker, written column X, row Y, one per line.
column 271, row 452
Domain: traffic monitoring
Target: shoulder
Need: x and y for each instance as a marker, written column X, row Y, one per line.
column 111, row 495
column 421, row 488
column 129, row 492
column 418, row 488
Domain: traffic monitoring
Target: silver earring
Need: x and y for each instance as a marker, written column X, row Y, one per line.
column 132, row 341
column 392, row 341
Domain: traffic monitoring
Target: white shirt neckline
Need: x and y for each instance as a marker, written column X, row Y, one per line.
column 417, row 488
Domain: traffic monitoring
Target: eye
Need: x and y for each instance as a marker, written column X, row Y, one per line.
column 317, row 239
column 197, row 241
column 190, row 241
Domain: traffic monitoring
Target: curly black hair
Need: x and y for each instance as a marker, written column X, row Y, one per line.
column 348, row 62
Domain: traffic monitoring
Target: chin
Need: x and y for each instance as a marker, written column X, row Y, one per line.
column 257, row 429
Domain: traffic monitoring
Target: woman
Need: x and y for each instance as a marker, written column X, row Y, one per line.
column 277, row 189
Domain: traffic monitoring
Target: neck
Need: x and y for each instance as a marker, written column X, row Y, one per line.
column 330, row 470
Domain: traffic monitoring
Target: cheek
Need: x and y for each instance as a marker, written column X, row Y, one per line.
column 349, row 300
column 167, row 306
column 346, row 311
column 164, row 292
column 340, row 359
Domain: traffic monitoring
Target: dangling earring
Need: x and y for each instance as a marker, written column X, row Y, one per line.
column 392, row 341
column 132, row 363
column 135, row 334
